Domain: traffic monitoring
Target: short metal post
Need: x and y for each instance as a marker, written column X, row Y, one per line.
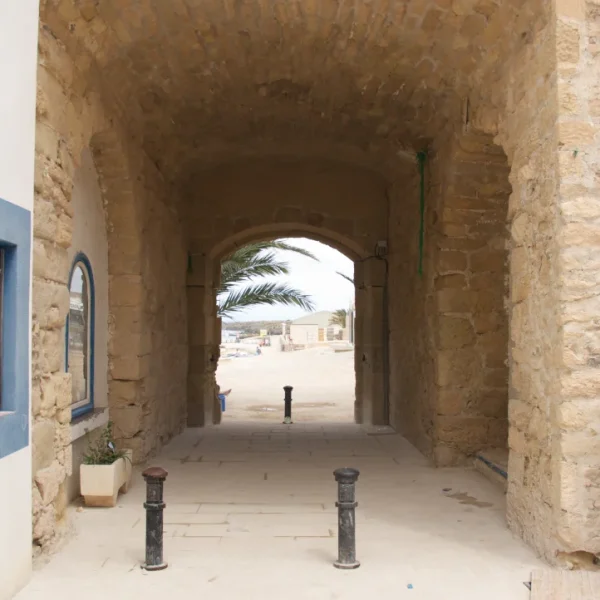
column 287, row 418
column 346, row 504
column 154, row 505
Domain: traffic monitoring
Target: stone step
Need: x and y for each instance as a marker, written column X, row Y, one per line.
column 493, row 464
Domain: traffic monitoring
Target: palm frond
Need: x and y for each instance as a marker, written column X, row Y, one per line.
column 234, row 271
column 254, row 261
column 346, row 277
column 281, row 245
column 251, row 250
column 264, row 293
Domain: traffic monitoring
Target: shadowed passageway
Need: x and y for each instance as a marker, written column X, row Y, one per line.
column 447, row 147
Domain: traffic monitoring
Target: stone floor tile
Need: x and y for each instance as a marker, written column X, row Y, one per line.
column 207, row 530
column 198, row 519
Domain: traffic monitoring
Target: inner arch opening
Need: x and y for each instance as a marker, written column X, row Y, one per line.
column 287, row 320
column 329, row 202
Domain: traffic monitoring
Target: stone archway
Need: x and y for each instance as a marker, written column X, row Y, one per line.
column 312, row 213
column 197, row 89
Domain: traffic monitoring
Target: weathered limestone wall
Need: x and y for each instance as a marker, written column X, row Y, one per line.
column 147, row 329
column 412, row 378
column 575, row 442
column 160, row 390
column 470, row 328
column 53, row 212
column 347, row 203
column 530, row 138
column 449, row 335
column 340, row 205
column 525, row 94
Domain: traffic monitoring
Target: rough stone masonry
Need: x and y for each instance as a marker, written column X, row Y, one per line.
column 193, row 110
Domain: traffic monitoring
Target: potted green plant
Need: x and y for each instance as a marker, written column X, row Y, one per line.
column 105, row 471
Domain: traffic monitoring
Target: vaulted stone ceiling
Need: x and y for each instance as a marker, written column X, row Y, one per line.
column 205, row 81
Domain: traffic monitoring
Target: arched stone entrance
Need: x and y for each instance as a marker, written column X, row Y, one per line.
column 272, row 118
column 265, row 200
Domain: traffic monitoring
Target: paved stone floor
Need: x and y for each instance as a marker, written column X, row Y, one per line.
column 251, row 515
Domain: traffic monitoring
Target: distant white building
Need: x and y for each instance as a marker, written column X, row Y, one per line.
column 313, row 329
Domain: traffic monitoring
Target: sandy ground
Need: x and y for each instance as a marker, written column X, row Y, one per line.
column 323, row 382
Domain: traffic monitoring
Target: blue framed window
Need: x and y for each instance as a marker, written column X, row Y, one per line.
column 79, row 342
column 15, row 251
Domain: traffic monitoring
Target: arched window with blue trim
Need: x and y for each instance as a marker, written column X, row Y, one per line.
column 79, row 359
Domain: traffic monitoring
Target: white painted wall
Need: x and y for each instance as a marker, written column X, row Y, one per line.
column 18, row 59
column 304, row 334
column 15, row 522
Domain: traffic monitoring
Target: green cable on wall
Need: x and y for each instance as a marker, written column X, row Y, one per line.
column 421, row 157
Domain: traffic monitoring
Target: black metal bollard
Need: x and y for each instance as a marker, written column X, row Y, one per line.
column 287, row 415
column 154, row 505
column 346, row 504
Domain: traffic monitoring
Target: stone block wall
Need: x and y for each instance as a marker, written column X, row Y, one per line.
column 536, row 97
column 148, row 312
column 575, row 441
column 147, row 323
column 470, row 287
column 448, row 325
column 255, row 197
column 52, row 228
column 525, row 93
column 411, row 375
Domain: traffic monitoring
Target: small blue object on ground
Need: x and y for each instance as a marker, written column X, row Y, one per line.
column 410, row 586
column 222, row 399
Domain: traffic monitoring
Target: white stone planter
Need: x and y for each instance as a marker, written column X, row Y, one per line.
column 101, row 484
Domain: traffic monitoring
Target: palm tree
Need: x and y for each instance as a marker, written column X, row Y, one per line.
column 338, row 317
column 255, row 261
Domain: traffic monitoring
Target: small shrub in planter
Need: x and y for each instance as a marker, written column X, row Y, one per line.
column 105, row 471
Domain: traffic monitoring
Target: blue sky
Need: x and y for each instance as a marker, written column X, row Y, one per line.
column 328, row 290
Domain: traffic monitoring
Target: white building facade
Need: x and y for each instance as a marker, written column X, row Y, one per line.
column 18, row 49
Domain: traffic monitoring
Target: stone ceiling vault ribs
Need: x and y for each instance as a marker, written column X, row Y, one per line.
column 372, row 77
